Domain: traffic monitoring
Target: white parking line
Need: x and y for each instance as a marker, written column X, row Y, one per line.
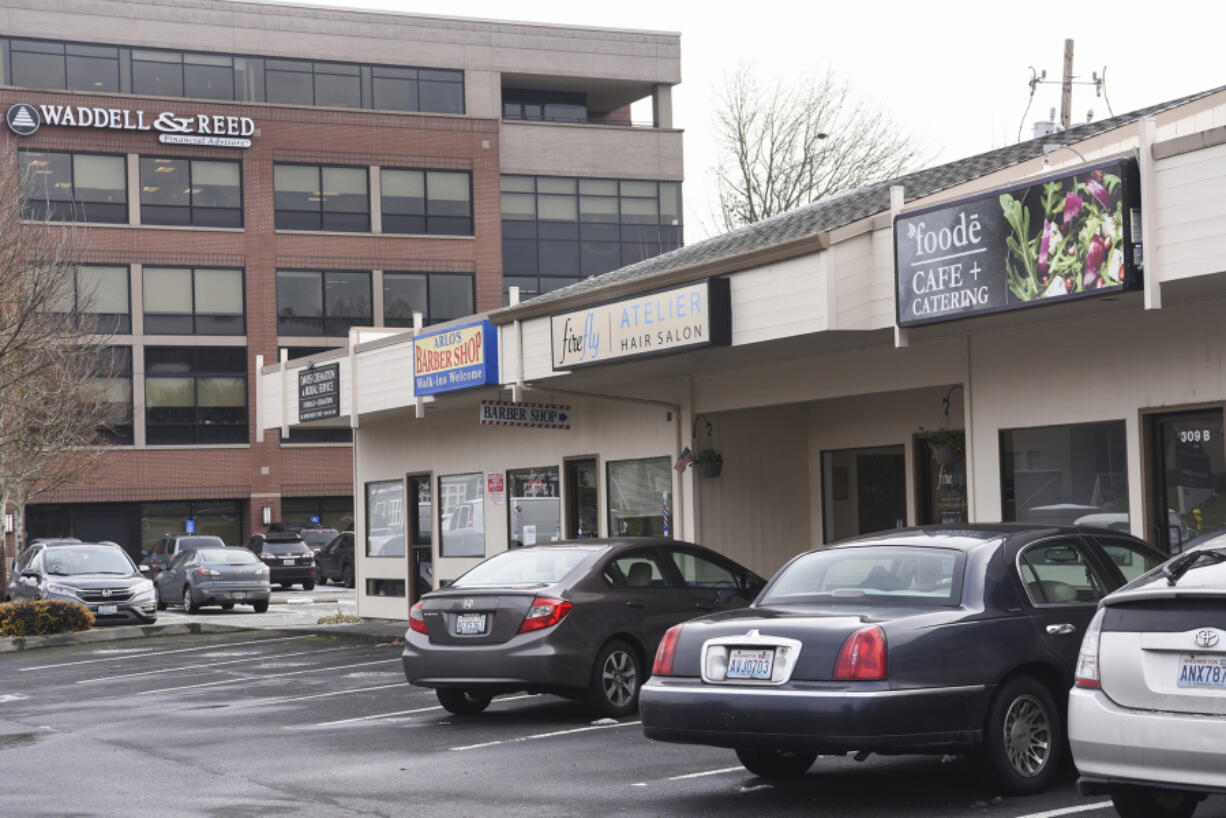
column 143, row 653
column 250, row 678
column 415, row 710
column 1053, row 813
column 722, row 771
column 545, row 735
column 258, row 657
column 265, row 702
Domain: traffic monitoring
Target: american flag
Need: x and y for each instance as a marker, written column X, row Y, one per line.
column 686, row 458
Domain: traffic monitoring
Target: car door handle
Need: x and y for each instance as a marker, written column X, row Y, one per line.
column 706, row 606
column 1062, row 629
column 636, row 604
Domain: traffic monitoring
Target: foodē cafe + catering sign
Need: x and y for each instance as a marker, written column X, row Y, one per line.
column 1056, row 238
column 674, row 320
column 212, row 130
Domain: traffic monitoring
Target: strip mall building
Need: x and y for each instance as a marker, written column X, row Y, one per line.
column 1061, row 308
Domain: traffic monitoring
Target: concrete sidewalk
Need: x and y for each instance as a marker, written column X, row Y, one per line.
column 368, row 630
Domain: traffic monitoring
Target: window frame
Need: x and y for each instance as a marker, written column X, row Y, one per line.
column 324, row 317
column 428, row 219
column 197, row 374
column 1089, row 559
column 321, row 212
column 191, row 207
column 428, row 315
column 77, row 208
column 194, row 316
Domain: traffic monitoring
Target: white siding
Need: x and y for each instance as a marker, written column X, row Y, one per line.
column 1191, row 213
column 779, row 300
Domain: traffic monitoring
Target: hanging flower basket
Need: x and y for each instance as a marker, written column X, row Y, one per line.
column 709, row 463
column 946, row 445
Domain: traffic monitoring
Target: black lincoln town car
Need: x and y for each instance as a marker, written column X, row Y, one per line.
column 923, row 640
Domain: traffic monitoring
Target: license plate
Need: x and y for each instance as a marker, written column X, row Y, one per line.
column 756, row 663
column 467, row 624
column 238, row 595
column 288, row 561
column 1202, row 671
column 107, row 610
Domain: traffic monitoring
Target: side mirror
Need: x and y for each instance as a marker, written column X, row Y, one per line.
column 746, row 581
column 30, row 574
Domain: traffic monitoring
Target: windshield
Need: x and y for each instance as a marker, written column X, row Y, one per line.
column 231, row 556
column 64, row 561
column 318, row 536
column 872, row 575
column 294, row 547
column 524, row 566
column 201, row 542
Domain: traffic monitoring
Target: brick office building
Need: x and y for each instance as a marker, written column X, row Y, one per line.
column 256, row 180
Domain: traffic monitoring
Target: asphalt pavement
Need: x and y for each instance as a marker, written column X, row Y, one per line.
column 278, row 721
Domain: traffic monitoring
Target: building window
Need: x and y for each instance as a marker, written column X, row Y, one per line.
column 544, row 106
column 1066, row 474
column 462, row 510
column 114, row 381
column 311, row 197
column 534, row 505
column 640, row 498
column 437, row 296
column 195, row 395
column 326, row 512
column 79, row 187
column 558, row 230
column 162, row 72
column 99, row 296
column 190, row 192
column 220, row 518
column 311, row 302
column 435, row 202
column 193, row 301
column 385, row 518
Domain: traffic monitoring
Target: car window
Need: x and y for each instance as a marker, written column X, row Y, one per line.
column 701, row 572
column 870, row 575
column 27, row 558
column 229, row 556
column 89, row 559
column 180, row 559
column 1059, row 572
column 636, row 569
column 524, row 566
column 1129, row 557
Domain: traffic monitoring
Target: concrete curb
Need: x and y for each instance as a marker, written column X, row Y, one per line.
column 114, row 634
column 375, row 632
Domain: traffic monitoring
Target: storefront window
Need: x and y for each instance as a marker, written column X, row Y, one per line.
column 534, row 506
column 385, row 519
column 462, row 515
column 221, row 518
column 641, row 498
column 327, row 512
column 1065, row 474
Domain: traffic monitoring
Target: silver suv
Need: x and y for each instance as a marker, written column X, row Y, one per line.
column 1147, row 714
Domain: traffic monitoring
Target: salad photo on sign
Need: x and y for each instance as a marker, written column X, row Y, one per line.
column 1069, row 241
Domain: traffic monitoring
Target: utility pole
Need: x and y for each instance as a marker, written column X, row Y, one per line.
column 1066, row 85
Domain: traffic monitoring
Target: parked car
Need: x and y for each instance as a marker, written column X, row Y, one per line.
column 935, row 639
column 335, row 561
column 169, row 546
column 40, row 542
column 577, row 618
column 102, row 577
column 214, row 576
column 1147, row 715
column 289, row 559
column 317, row 537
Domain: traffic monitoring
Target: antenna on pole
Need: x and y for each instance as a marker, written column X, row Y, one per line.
column 1067, row 80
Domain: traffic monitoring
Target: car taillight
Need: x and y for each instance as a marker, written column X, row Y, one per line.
column 663, row 665
column 544, row 612
column 1087, row 659
column 862, row 657
column 416, row 621
column 206, row 572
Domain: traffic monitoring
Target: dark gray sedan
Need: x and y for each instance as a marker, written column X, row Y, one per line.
column 579, row 619
column 932, row 640
column 214, row 576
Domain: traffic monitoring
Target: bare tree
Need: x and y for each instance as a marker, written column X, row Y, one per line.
column 783, row 145
column 53, row 361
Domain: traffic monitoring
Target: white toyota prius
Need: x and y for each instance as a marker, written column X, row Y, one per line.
column 1147, row 714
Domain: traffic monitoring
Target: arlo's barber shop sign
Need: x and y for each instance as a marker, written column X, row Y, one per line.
column 695, row 315
column 212, row 130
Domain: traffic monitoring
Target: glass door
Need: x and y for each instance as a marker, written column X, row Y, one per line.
column 421, row 560
column 582, row 499
column 1189, row 477
column 863, row 490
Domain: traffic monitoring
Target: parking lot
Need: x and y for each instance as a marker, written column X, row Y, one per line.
column 263, row 722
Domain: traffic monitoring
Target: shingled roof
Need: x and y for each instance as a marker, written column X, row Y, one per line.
column 851, row 206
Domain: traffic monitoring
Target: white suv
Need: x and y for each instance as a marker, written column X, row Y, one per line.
column 1147, row 715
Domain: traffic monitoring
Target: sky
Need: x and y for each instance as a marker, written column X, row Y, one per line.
column 954, row 74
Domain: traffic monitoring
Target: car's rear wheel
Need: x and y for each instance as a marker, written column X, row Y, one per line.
column 309, row 585
column 189, row 602
column 462, row 702
column 616, row 678
column 260, row 607
column 775, row 763
column 321, row 579
column 1151, row 802
column 1024, row 736
column 158, row 594
column 347, row 575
